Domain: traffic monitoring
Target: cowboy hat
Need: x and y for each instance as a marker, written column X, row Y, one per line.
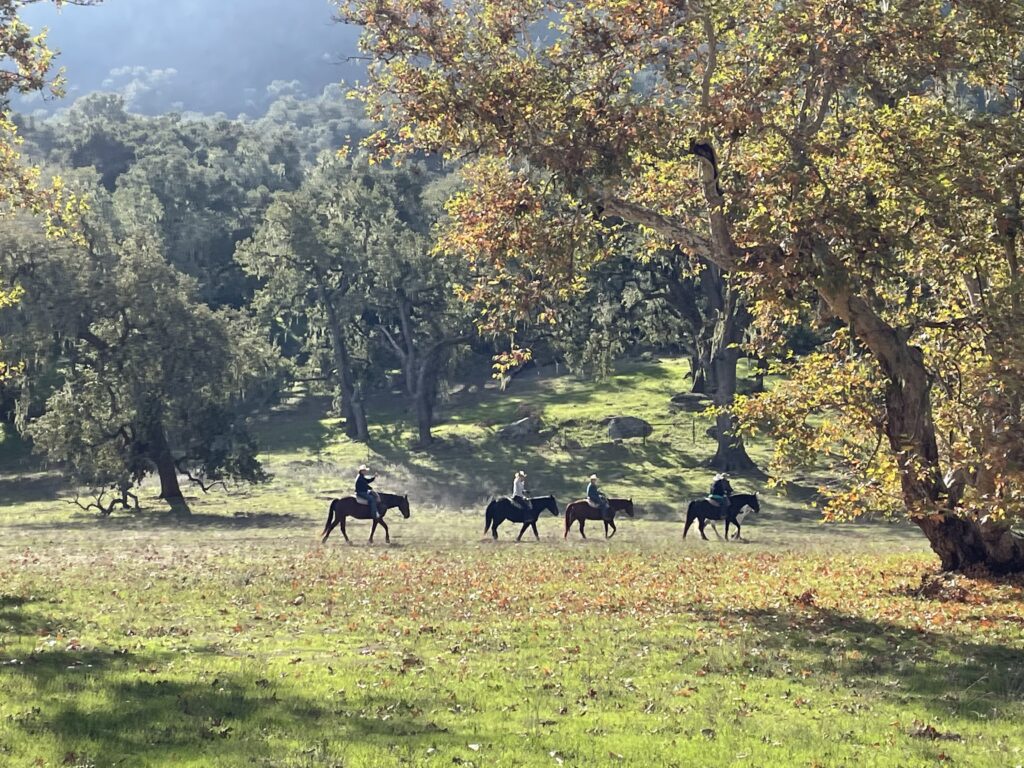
column 521, row 473
column 363, row 468
column 593, row 477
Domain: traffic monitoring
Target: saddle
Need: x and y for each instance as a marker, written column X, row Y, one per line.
column 364, row 502
column 593, row 504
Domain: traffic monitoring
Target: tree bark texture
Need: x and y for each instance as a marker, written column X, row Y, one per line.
column 352, row 408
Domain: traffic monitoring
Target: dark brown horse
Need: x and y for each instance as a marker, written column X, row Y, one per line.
column 581, row 511
column 349, row 507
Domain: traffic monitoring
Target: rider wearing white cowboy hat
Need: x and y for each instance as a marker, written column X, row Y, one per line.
column 519, row 492
column 364, row 491
column 598, row 499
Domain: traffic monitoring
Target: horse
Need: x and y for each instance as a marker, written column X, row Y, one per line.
column 703, row 510
column 349, row 507
column 581, row 511
column 503, row 508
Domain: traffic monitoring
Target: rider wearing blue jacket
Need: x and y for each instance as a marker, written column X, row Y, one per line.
column 365, row 492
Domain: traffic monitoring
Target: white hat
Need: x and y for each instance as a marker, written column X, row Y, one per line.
column 363, row 468
column 521, row 473
column 593, row 477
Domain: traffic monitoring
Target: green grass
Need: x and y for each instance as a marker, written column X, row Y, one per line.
column 233, row 638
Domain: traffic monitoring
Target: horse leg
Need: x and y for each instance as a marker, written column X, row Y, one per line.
column 387, row 532
column 610, row 523
column 535, row 534
column 582, row 525
column 522, row 531
column 494, row 527
column 689, row 522
column 727, row 522
column 341, row 524
column 373, row 530
column 701, row 523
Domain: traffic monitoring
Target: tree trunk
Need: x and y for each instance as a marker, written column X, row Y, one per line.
column 166, row 468
column 964, row 543
column 424, row 395
column 700, row 362
column 731, row 455
column 960, row 542
column 760, row 371
column 730, row 319
column 352, row 408
column 424, row 402
column 909, row 427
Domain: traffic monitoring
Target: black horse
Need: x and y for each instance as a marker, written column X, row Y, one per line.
column 703, row 510
column 503, row 508
column 349, row 507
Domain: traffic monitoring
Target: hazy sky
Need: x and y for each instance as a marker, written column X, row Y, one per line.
column 204, row 55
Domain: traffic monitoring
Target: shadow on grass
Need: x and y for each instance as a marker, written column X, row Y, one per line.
column 13, row 618
column 29, row 487
column 299, row 429
column 84, row 701
column 944, row 673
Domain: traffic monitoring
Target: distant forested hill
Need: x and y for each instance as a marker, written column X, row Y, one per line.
column 197, row 55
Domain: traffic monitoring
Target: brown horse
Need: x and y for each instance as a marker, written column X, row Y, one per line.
column 581, row 511
column 349, row 507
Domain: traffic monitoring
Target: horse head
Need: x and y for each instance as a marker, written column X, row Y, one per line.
column 403, row 506
column 551, row 505
column 628, row 507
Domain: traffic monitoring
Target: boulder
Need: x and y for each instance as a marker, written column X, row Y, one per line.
column 624, row 427
column 689, row 401
column 519, row 430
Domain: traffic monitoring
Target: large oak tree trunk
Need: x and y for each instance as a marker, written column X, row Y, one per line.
column 963, row 543
column 352, row 408
column 960, row 542
column 730, row 321
column 166, row 468
column 700, row 362
column 424, row 402
column 731, row 455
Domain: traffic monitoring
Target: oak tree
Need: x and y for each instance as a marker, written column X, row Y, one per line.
column 860, row 158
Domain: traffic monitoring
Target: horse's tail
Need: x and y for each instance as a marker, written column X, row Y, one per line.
column 489, row 515
column 330, row 521
column 568, row 518
column 691, row 514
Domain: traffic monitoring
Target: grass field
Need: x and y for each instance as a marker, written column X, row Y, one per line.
column 233, row 638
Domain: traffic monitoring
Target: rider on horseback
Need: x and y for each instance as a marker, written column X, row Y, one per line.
column 721, row 490
column 598, row 499
column 519, row 493
column 365, row 492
